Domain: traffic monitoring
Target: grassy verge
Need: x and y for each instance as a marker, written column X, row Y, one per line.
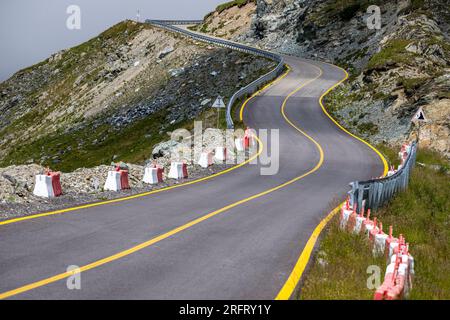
column 393, row 52
column 422, row 214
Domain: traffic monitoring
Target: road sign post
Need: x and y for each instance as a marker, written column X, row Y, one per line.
column 218, row 104
column 419, row 118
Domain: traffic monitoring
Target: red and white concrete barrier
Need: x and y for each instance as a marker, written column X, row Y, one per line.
column 404, row 152
column 117, row 180
column 178, row 170
column 48, row 185
column 249, row 138
column 240, row 144
column 400, row 270
column 153, row 175
column 220, row 154
column 359, row 222
column 379, row 241
column 112, row 181
column 206, row 159
column 399, row 274
column 346, row 211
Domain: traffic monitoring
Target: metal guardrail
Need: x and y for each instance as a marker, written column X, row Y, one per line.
column 377, row 192
column 250, row 88
column 174, row 22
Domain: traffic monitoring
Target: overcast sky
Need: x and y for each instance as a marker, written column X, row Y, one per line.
column 31, row 30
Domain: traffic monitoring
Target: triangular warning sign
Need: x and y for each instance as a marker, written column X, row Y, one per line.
column 419, row 116
column 218, row 103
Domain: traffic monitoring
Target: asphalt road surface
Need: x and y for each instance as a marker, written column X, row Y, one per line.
column 243, row 251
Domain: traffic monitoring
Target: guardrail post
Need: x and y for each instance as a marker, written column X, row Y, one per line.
column 377, row 192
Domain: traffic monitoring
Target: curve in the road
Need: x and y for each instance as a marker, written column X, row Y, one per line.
column 152, row 241
column 297, row 272
column 280, row 237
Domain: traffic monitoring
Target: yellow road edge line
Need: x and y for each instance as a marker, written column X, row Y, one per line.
column 296, row 274
column 144, row 194
column 241, row 112
column 383, row 159
column 172, row 232
column 96, row 204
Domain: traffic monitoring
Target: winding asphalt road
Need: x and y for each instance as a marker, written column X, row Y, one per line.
column 243, row 251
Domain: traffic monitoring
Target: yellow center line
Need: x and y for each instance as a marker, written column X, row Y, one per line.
column 241, row 112
column 296, row 274
column 166, row 235
column 144, row 194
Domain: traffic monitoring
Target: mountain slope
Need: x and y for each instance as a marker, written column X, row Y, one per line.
column 394, row 70
column 114, row 96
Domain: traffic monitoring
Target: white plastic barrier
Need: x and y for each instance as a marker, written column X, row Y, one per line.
column 379, row 244
column 392, row 246
column 220, row 154
column 152, row 175
column 113, row 181
column 359, row 222
column 206, row 159
column 345, row 215
column 369, row 227
column 239, row 143
column 43, row 186
column 178, row 170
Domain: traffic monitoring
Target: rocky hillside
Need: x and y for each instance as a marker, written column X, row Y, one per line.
column 115, row 96
column 229, row 20
column 394, row 70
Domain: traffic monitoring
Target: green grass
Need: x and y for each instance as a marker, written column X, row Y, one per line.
column 132, row 144
column 389, row 153
column 417, row 4
column 90, row 147
column 368, row 128
column 422, row 214
column 393, row 52
column 344, row 276
column 70, row 66
column 67, row 149
column 129, row 144
column 411, row 85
